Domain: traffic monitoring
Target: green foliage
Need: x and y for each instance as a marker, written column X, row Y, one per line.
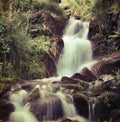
column 21, row 60
column 46, row 5
column 40, row 44
column 117, row 75
column 115, row 40
column 106, row 13
column 80, row 7
column 4, row 80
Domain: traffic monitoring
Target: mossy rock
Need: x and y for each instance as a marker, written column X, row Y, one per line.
column 107, row 103
column 5, row 84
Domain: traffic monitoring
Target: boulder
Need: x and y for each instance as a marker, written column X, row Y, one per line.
column 85, row 75
column 47, row 109
column 79, row 76
column 97, row 87
column 52, row 23
column 115, row 115
column 89, row 76
column 67, row 80
column 75, row 84
column 5, row 109
column 81, row 104
column 108, row 107
column 107, row 65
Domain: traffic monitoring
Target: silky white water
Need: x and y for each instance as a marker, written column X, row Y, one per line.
column 77, row 48
column 22, row 111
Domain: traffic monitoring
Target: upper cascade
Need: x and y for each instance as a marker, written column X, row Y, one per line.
column 77, row 48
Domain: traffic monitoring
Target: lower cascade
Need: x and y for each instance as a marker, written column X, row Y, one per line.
column 46, row 100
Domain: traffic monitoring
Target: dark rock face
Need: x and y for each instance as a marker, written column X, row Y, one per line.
column 107, row 65
column 108, row 106
column 5, row 110
column 50, row 64
column 86, row 73
column 47, row 109
column 81, row 103
column 79, row 76
column 115, row 115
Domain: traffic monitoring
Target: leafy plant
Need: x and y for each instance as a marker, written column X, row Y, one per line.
column 115, row 39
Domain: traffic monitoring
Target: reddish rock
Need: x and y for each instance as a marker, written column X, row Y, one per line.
column 107, row 65
column 88, row 75
column 50, row 64
column 78, row 76
column 67, row 80
column 85, row 75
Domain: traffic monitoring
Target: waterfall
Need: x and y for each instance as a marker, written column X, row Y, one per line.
column 77, row 48
column 91, row 105
column 22, row 112
column 53, row 103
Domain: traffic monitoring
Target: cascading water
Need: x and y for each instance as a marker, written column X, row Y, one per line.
column 91, row 105
column 77, row 48
column 22, row 112
column 52, row 102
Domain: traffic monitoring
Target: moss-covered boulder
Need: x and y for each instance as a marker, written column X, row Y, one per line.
column 107, row 107
column 74, row 84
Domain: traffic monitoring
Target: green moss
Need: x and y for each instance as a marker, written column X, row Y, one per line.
column 5, row 80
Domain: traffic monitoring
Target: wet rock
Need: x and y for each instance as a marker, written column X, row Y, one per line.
column 47, row 109
column 5, row 109
column 81, row 104
column 79, row 76
column 35, row 94
column 107, row 65
column 66, row 120
column 107, row 103
column 75, row 84
column 89, row 76
column 85, row 75
column 100, row 85
column 67, row 80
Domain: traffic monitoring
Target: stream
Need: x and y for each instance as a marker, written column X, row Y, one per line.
column 51, row 101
